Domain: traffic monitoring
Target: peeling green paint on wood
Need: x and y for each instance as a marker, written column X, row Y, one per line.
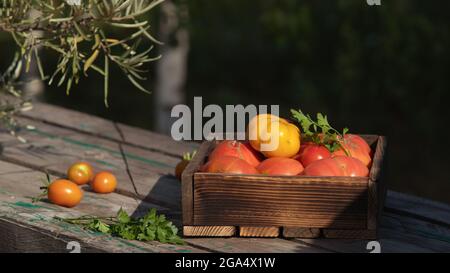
column 101, row 148
column 27, row 205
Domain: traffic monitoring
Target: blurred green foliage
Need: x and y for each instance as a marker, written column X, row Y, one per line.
column 375, row 69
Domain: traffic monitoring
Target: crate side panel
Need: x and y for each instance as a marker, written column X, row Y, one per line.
column 240, row 200
column 187, row 181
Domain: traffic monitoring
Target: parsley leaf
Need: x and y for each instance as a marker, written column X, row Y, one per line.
column 122, row 216
column 320, row 131
column 150, row 227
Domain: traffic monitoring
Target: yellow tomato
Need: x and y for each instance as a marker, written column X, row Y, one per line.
column 274, row 136
column 80, row 173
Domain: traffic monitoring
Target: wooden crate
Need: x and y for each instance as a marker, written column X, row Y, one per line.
column 291, row 206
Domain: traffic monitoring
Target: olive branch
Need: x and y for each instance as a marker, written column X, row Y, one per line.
column 77, row 30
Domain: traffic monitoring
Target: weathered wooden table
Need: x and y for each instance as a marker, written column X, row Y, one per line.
column 144, row 163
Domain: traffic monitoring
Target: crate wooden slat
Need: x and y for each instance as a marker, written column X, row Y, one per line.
column 293, row 232
column 346, row 207
column 209, row 231
column 259, row 231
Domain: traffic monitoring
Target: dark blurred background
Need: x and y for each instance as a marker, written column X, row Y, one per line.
column 376, row 69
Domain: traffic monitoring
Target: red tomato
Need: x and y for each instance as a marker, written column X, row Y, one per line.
column 311, row 153
column 354, row 151
column 280, row 166
column 228, row 164
column 337, row 166
column 358, row 141
column 302, row 148
column 234, row 148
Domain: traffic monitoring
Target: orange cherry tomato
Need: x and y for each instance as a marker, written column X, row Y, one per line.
column 64, row 193
column 268, row 129
column 104, row 182
column 80, row 173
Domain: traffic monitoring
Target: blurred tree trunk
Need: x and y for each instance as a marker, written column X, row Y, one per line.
column 172, row 67
column 33, row 85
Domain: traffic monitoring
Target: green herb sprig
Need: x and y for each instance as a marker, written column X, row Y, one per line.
column 45, row 184
column 320, row 131
column 150, row 227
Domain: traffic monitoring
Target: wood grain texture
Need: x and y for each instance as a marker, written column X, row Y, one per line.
column 367, row 234
column 221, row 199
column 419, row 208
column 71, row 119
column 370, row 139
column 141, row 173
column 209, row 231
column 378, row 159
column 296, row 232
column 259, row 231
column 24, row 223
column 255, row 245
column 377, row 185
column 397, row 233
column 17, row 237
column 187, row 182
column 372, row 205
column 145, row 139
column 106, row 129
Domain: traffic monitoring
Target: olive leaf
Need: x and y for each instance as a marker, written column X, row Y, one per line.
column 77, row 31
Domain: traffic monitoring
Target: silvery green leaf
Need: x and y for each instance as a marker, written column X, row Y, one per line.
column 74, row 2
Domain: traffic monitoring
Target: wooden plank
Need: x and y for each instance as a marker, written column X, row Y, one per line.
column 376, row 194
column 372, row 205
column 435, row 238
column 187, row 187
column 107, row 129
column 221, row 199
column 209, row 231
column 19, row 238
column 370, row 139
column 254, row 245
column 55, row 149
column 295, row 232
column 259, row 231
column 17, row 186
column 378, row 159
column 360, row 246
column 153, row 141
column 153, row 176
column 75, row 120
column 350, row 233
column 397, row 234
column 417, row 207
